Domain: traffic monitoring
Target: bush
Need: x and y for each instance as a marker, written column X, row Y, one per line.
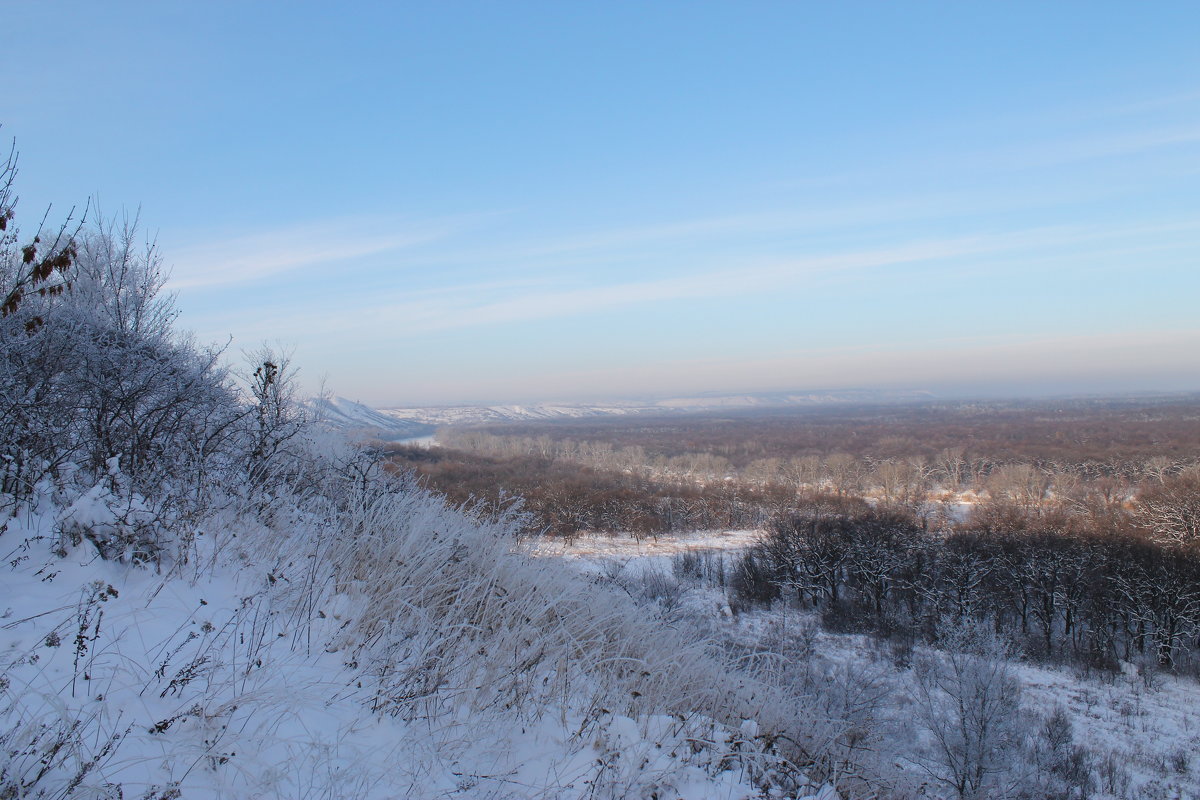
column 100, row 394
column 752, row 582
column 968, row 701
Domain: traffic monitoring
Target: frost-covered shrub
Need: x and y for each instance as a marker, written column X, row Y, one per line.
column 93, row 373
column 967, row 700
column 1064, row 768
column 104, row 375
column 92, row 368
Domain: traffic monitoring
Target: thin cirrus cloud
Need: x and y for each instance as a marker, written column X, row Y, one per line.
column 1102, row 147
column 1172, row 143
column 471, row 310
column 257, row 256
column 252, row 257
column 482, row 304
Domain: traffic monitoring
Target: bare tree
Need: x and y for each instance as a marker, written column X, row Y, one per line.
column 952, row 467
column 1172, row 510
column 968, row 701
column 843, row 472
column 277, row 412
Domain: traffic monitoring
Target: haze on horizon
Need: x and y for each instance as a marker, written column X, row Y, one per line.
column 437, row 203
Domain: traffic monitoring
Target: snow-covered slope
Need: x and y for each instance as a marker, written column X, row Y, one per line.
column 347, row 415
column 390, row 649
column 470, row 415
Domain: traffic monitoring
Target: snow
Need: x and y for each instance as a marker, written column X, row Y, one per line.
column 346, row 415
column 1148, row 726
column 1140, row 726
column 425, row 442
column 624, row 546
column 212, row 682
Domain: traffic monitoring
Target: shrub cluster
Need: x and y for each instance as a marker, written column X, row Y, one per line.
column 98, row 389
column 1095, row 599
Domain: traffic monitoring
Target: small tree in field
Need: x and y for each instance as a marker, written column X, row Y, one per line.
column 278, row 416
column 968, row 702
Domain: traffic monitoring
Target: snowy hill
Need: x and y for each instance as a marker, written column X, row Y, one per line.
column 346, row 415
column 204, row 595
column 292, row 660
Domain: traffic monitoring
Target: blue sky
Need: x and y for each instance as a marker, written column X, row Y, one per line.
column 459, row 202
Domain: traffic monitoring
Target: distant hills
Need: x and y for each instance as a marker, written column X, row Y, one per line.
column 358, row 419
column 470, row 415
column 405, row 423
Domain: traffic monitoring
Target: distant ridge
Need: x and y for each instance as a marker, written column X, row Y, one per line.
column 473, row 415
column 355, row 418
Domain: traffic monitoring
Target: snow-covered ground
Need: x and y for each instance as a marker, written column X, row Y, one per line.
column 600, row 546
column 1145, row 729
column 358, row 419
column 1141, row 728
column 220, row 678
column 419, row 441
column 237, row 674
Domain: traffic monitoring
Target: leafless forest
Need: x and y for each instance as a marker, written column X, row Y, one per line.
column 1071, row 526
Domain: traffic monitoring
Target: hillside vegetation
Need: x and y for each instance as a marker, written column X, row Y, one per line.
column 206, row 595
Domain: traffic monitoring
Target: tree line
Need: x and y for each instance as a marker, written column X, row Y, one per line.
column 1061, row 592
column 1159, row 495
column 959, row 447
column 561, row 498
column 1109, row 436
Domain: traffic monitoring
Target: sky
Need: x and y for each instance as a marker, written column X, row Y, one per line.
column 464, row 202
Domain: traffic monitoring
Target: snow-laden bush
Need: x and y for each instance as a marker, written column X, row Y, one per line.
column 103, row 375
column 92, row 370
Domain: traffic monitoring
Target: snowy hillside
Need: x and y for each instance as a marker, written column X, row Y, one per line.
column 1130, row 735
column 346, row 415
column 205, row 595
column 278, row 662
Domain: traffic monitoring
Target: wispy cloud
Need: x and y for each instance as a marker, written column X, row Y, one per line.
column 252, row 257
column 1174, row 100
column 488, row 303
column 1085, row 149
column 471, row 309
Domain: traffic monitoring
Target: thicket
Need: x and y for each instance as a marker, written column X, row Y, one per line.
column 1059, row 592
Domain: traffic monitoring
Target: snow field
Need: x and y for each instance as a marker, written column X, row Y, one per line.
column 395, row 649
column 1140, row 728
